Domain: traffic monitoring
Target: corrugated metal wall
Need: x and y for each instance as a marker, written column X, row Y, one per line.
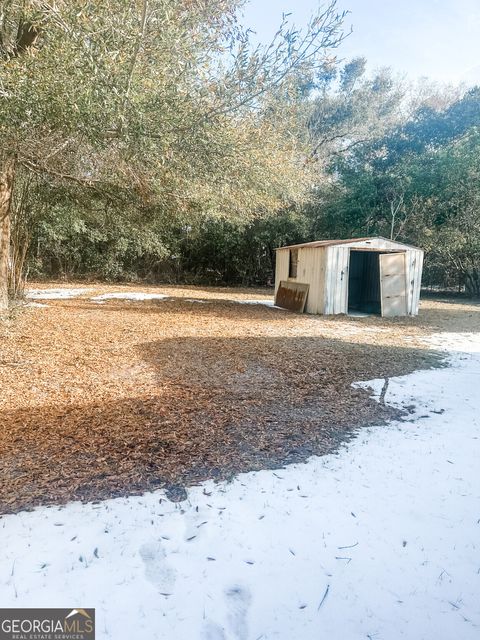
column 336, row 280
column 336, row 291
column 281, row 267
column 414, row 262
column 310, row 270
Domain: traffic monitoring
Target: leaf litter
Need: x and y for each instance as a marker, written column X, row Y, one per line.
column 122, row 398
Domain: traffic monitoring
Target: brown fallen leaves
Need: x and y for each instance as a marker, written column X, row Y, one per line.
column 115, row 399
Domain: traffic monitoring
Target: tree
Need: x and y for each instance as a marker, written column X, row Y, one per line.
column 416, row 182
column 351, row 109
column 163, row 98
column 7, row 169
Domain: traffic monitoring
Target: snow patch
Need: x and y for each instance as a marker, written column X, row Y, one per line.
column 378, row 541
column 267, row 303
column 129, row 295
column 196, row 300
column 55, row 294
column 455, row 342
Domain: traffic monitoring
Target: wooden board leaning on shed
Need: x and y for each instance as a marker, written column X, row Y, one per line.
column 292, row 295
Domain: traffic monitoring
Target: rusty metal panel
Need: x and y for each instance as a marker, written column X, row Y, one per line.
column 292, row 295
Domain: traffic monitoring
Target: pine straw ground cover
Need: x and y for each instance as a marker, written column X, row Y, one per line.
column 103, row 400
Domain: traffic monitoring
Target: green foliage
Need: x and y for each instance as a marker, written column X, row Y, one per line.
column 419, row 183
column 152, row 141
column 163, row 110
column 161, row 97
column 225, row 252
column 75, row 239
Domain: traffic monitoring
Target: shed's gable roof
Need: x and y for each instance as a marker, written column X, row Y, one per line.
column 328, row 243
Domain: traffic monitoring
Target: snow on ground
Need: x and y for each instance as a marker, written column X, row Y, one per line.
column 379, row 542
column 133, row 296
column 55, row 294
column 196, row 300
column 267, row 303
column 130, row 295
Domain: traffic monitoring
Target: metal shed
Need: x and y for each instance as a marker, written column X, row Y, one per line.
column 371, row 275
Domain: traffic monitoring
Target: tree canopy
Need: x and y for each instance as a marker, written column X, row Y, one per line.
column 151, row 139
column 161, row 104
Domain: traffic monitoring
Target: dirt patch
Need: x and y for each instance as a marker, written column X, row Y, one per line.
column 114, row 399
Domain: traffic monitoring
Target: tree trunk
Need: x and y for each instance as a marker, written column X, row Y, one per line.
column 7, row 170
column 472, row 283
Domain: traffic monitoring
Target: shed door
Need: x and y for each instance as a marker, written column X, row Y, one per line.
column 393, row 284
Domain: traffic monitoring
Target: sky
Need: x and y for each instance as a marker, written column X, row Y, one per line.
column 438, row 39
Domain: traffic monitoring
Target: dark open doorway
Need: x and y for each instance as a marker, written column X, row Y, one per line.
column 364, row 282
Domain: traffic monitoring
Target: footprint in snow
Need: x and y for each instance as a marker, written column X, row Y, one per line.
column 157, row 570
column 196, row 524
column 238, row 602
column 212, row 631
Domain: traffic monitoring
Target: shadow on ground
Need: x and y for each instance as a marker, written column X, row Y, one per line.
column 222, row 406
